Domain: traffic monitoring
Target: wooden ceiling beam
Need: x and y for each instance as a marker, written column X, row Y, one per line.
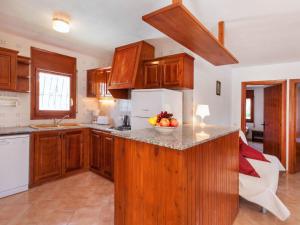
column 221, row 30
column 177, row 1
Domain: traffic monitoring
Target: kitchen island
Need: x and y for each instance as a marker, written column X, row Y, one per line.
column 189, row 177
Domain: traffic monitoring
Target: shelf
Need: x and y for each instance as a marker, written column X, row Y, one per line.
column 23, row 60
column 23, row 77
column 179, row 24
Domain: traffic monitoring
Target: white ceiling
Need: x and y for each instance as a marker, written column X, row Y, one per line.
column 257, row 31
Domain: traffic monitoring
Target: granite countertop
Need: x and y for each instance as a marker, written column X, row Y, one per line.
column 182, row 138
column 16, row 130
column 28, row 129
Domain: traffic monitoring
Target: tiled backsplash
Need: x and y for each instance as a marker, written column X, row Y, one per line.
column 115, row 110
column 20, row 115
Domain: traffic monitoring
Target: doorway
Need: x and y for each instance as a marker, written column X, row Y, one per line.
column 263, row 116
column 294, row 127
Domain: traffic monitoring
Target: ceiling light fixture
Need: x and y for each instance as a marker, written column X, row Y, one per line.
column 61, row 23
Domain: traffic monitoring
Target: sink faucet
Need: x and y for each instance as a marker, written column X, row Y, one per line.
column 57, row 122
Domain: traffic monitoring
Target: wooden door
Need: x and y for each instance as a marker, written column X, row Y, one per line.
column 108, row 161
column 172, row 71
column 47, row 156
column 272, row 120
column 8, row 66
column 91, row 90
column 72, row 151
column 125, row 65
column 152, row 75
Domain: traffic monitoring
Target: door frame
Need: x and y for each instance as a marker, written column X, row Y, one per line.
column 283, row 84
column 292, row 125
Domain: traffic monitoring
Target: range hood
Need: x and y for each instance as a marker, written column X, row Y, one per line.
column 179, row 24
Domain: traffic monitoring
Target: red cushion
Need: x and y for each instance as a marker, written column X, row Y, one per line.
column 249, row 152
column 246, row 168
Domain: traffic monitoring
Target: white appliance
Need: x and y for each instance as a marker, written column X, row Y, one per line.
column 102, row 120
column 14, row 164
column 149, row 102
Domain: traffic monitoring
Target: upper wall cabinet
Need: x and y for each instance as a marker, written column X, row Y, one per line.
column 97, row 80
column 175, row 71
column 14, row 71
column 8, row 64
column 127, row 69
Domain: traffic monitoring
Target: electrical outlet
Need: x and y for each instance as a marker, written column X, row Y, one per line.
column 3, row 42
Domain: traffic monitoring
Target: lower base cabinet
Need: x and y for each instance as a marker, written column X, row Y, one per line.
column 72, row 151
column 101, row 154
column 56, row 154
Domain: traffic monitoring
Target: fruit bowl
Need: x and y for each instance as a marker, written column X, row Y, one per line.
column 164, row 130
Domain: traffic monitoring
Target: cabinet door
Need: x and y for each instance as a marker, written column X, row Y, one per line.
column 107, row 76
column 91, row 84
column 125, row 66
column 108, row 149
column 95, row 151
column 47, row 156
column 172, row 71
column 73, row 151
column 151, row 75
column 8, row 65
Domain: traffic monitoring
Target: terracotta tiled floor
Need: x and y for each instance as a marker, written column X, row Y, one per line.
column 84, row 199
column 87, row 199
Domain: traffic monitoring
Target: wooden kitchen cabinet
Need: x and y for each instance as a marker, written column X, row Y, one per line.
column 152, row 74
column 56, row 154
column 175, row 72
column 127, row 69
column 73, row 147
column 91, row 83
column 23, row 74
column 47, row 156
column 102, row 154
column 97, row 82
column 8, row 66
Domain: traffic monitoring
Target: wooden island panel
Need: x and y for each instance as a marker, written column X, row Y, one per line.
column 159, row 186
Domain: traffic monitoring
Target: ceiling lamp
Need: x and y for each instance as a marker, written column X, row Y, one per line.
column 61, row 23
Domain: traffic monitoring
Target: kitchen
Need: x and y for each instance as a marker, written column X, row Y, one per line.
column 127, row 131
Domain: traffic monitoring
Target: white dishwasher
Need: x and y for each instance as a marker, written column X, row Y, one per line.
column 14, row 164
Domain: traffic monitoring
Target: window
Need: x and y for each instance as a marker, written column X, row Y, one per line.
column 53, row 93
column 250, row 106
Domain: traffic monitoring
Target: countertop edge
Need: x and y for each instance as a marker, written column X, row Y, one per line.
column 183, row 147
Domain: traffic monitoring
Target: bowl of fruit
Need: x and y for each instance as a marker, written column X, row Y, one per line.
column 164, row 122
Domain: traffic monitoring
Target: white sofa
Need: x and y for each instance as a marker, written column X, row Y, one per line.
column 262, row 191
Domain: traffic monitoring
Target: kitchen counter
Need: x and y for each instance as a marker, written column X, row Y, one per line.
column 15, row 130
column 28, row 129
column 197, row 183
column 182, row 138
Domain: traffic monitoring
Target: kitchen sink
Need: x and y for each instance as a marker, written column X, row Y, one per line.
column 53, row 126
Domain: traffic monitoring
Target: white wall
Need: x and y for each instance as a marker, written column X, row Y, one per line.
column 205, row 77
column 283, row 71
column 258, row 108
column 20, row 116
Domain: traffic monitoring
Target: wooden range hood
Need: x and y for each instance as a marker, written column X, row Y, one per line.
column 177, row 22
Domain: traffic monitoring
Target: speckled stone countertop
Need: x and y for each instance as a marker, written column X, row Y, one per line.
column 182, row 138
column 28, row 129
column 15, row 130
